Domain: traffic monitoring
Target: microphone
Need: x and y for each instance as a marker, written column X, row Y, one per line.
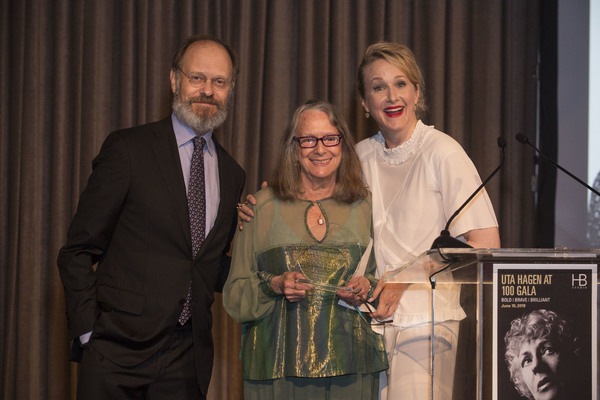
column 524, row 140
column 445, row 240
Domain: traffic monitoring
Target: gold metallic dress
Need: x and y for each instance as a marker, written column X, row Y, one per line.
column 316, row 337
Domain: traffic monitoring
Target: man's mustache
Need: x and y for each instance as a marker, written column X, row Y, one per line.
column 202, row 99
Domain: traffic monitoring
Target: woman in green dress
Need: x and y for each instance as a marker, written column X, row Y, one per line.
column 303, row 266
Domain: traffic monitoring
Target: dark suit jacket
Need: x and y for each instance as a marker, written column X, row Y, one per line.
column 132, row 219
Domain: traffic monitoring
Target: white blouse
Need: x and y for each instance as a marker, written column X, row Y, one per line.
column 416, row 187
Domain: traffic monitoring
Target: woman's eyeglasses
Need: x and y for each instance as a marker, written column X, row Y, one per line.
column 308, row 142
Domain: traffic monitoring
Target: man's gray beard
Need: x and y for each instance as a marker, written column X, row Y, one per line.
column 200, row 123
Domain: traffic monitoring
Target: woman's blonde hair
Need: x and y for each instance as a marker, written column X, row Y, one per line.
column 400, row 57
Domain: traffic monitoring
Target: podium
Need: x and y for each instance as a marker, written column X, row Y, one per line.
column 501, row 290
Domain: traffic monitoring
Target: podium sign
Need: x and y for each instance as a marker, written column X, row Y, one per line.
column 531, row 319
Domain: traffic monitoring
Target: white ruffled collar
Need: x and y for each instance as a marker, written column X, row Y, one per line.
column 400, row 154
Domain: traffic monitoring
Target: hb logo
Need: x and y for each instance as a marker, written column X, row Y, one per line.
column 581, row 280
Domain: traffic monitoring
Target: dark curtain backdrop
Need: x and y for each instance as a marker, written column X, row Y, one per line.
column 74, row 70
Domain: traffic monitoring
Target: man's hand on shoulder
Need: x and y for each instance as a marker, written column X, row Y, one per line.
column 245, row 214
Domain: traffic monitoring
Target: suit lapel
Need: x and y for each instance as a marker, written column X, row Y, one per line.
column 165, row 150
column 225, row 189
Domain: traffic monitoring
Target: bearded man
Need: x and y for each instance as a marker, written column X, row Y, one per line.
column 157, row 217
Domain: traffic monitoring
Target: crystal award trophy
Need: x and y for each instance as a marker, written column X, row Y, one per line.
column 328, row 264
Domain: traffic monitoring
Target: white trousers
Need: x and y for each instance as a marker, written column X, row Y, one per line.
column 409, row 358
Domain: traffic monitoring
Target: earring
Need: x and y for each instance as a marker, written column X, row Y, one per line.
column 367, row 115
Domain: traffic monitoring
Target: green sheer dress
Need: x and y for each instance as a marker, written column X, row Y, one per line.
column 315, row 348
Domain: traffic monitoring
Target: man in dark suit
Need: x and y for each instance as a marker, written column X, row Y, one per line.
column 157, row 216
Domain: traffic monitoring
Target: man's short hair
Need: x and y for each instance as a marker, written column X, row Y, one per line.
column 177, row 59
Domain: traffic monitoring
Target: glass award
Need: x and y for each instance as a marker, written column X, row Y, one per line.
column 330, row 263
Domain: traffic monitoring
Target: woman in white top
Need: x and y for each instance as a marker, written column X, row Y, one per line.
column 419, row 177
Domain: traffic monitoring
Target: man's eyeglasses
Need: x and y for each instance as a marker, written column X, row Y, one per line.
column 308, row 142
column 199, row 80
